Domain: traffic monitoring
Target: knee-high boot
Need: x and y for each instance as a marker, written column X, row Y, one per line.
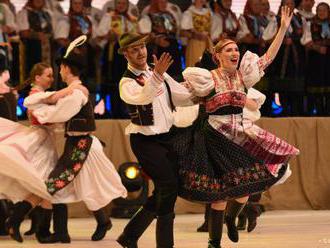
column 215, row 224
column 164, row 231
column 242, row 219
column 135, row 228
column 20, row 209
column 204, row 226
column 60, row 217
column 103, row 224
column 42, row 230
column 232, row 212
column 34, row 216
column 4, row 214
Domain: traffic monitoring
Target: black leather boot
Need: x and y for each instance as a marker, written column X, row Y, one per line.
column 215, row 224
column 60, row 218
column 204, row 226
column 42, row 231
column 135, row 228
column 233, row 210
column 164, row 231
column 103, row 224
column 253, row 211
column 4, row 214
column 20, row 209
column 34, row 216
column 242, row 220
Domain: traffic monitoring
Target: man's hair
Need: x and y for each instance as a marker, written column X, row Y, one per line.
column 75, row 70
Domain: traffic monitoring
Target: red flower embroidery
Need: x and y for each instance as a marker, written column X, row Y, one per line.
column 77, row 167
column 82, row 143
column 59, row 183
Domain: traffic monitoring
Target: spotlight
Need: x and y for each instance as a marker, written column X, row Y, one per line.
column 136, row 184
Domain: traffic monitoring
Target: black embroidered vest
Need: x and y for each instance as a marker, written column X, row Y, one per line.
column 83, row 121
column 36, row 18
column 142, row 115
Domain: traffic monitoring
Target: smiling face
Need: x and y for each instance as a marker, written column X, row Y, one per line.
column 228, row 57
column 77, row 6
column 45, row 79
column 226, row 4
column 121, row 6
column 307, row 5
column 137, row 56
column 38, row 4
column 322, row 12
column 256, row 7
column 289, row 3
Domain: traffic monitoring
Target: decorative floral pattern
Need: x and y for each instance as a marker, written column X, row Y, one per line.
column 78, row 155
column 243, row 176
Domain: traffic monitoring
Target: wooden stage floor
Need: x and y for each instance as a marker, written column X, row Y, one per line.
column 280, row 229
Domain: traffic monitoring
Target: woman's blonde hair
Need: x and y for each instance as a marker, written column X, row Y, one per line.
column 218, row 48
column 221, row 44
column 36, row 70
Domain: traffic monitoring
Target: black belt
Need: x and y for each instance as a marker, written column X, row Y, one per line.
column 228, row 110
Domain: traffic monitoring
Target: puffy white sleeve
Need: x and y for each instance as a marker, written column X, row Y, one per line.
column 257, row 96
column 133, row 93
column 252, row 68
column 22, row 20
column 199, row 80
column 307, row 34
column 62, row 28
column 144, row 25
column 104, row 25
column 180, row 94
column 10, row 17
column 186, row 22
column 63, row 110
column 271, row 29
column 35, row 100
column 216, row 27
column 243, row 28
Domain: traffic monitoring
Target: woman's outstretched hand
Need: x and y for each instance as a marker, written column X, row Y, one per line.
column 286, row 16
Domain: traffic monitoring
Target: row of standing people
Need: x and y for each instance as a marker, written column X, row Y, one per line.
column 38, row 23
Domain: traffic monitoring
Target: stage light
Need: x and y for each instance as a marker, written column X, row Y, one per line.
column 136, row 184
column 131, row 172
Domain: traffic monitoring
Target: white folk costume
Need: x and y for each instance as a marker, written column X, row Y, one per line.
column 260, row 28
column 225, row 158
column 115, row 22
column 89, row 176
column 110, row 6
column 151, row 100
column 28, row 155
column 196, row 20
column 164, row 24
column 35, row 50
column 224, row 22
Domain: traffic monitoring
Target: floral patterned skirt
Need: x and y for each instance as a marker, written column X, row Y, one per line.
column 213, row 168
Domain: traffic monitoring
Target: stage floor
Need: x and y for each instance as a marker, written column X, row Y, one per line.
column 280, row 229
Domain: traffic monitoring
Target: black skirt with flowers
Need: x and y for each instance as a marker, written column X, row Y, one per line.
column 213, row 168
column 68, row 166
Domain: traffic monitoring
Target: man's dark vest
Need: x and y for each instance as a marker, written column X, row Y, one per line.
column 34, row 19
column 142, row 115
column 83, row 121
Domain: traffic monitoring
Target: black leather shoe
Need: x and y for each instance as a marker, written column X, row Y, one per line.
column 55, row 238
column 126, row 242
column 101, row 231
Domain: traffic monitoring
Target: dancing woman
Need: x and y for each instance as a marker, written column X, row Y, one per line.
column 28, row 155
column 222, row 158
